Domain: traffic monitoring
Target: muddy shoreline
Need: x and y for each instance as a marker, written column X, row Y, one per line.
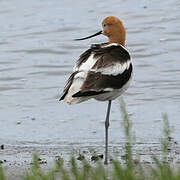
column 17, row 160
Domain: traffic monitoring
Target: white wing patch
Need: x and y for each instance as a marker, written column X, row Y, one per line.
column 114, row 69
column 81, row 75
column 87, row 65
column 79, row 80
column 75, row 87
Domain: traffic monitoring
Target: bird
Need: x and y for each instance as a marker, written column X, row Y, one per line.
column 103, row 72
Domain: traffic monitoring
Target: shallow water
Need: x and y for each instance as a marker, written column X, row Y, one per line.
column 37, row 56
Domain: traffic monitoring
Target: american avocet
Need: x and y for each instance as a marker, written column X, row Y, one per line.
column 102, row 72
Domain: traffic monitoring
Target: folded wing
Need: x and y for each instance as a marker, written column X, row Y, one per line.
column 101, row 69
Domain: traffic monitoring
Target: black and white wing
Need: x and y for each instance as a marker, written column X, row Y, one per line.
column 103, row 70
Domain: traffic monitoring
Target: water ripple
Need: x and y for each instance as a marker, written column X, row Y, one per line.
column 39, row 51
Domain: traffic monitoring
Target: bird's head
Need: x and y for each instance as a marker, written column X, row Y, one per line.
column 113, row 28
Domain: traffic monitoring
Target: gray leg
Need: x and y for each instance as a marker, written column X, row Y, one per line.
column 106, row 132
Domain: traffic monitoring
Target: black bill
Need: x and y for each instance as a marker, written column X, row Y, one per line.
column 98, row 33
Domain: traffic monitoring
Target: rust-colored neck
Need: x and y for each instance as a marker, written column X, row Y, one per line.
column 119, row 38
column 118, row 35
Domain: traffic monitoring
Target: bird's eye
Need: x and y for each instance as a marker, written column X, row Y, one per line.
column 104, row 25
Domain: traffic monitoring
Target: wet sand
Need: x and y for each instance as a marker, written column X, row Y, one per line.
column 37, row 56
column 17, row 160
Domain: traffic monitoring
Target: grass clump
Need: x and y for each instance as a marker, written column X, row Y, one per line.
column 130, row 170
column 2, row 175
